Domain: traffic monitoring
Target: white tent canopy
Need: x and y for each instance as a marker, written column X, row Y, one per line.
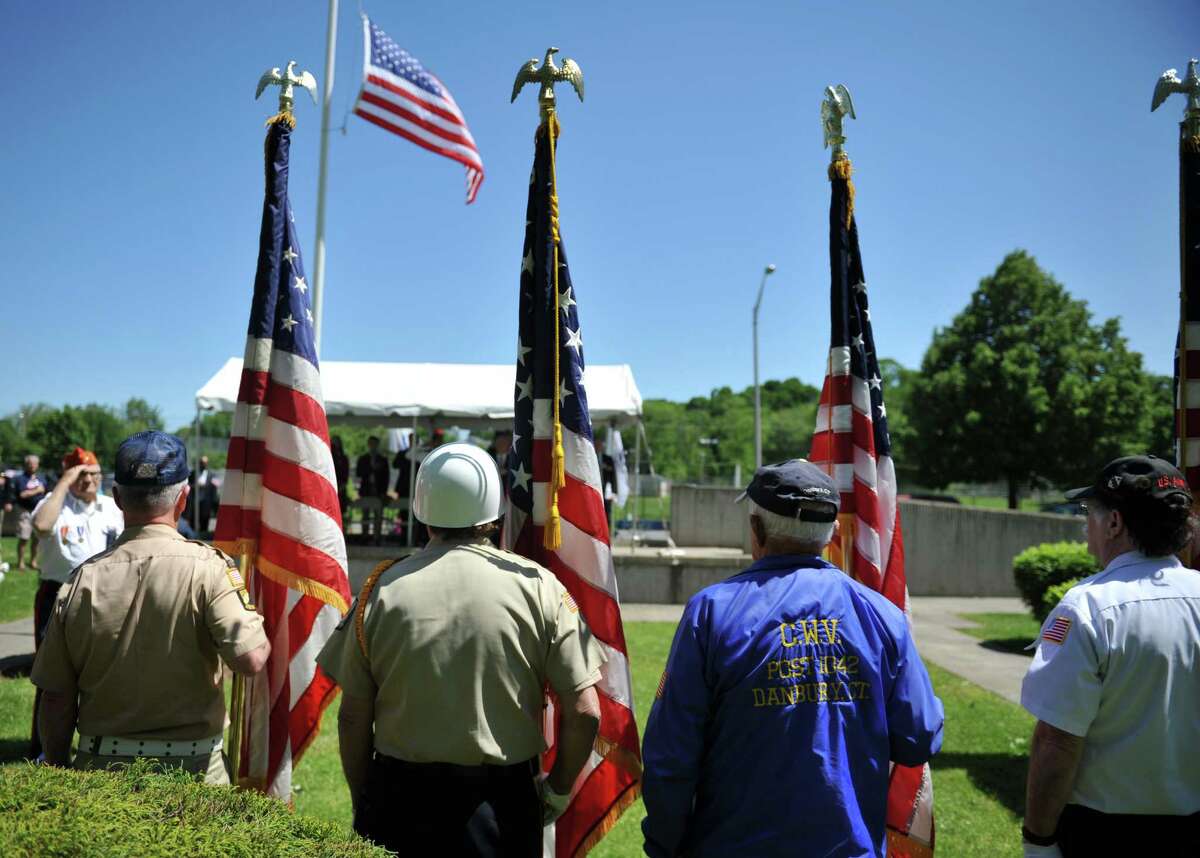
column 465, row 394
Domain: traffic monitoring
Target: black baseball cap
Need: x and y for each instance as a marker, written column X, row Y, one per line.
column 791, row 488
column 1134, row 479
column 151, row 458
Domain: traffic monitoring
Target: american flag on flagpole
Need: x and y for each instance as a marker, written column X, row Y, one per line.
column 1187, row 356
column 851, row 440
column 402, row 96
column 280, row 502
column 611, row 778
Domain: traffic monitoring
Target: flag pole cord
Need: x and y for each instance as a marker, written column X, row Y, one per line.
column 552, row 532
column 841, row 169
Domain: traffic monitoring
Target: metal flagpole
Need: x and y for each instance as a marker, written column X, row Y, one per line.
column 318, row 286
column 412, row 479
column 196, row 481
column 767, row 272
column 637, row 484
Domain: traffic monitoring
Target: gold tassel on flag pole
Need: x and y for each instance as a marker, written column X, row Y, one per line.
column 552, row 533
column 547, row 75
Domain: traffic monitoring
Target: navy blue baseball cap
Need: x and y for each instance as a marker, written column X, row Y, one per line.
column 151, row 458
column 797, row 489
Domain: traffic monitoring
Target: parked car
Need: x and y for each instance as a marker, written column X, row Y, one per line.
column 1065, row 508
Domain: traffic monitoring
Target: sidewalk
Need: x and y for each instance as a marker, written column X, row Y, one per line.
column 936, row 625
column 16, row 646
column 936, row 629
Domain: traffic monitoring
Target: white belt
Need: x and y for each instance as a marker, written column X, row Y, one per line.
column 117, row 746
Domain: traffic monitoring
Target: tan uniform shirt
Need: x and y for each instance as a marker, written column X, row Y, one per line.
column 461, row 639
column 138, row 631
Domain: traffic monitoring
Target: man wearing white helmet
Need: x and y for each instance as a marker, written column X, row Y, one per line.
column 443, row 660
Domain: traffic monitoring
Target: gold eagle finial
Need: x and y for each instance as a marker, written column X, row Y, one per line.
column 286, row 82
column 548, row 75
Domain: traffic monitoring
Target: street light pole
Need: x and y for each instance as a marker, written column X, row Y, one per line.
column 767, row 272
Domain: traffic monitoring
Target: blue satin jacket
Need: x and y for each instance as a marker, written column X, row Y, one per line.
column 788, row 689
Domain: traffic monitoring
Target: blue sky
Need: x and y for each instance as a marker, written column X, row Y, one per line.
column 132, row 180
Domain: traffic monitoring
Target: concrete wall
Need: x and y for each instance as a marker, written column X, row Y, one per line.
column 949, row 550
column 953, row 550
column 707, row 516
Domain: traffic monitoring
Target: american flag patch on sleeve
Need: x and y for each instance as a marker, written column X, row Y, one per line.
column 1056, row 632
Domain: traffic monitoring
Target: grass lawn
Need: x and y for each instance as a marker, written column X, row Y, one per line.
column 17, row 588
column 1000, row 502
column 1004, row 632
column 978, row 778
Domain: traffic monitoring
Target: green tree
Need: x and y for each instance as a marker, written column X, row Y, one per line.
column 1160, row 417
column 105, row 431
column 53, row 432
column 141, row 415
column 12, row 442
column 726, row 417
column 1023, row 388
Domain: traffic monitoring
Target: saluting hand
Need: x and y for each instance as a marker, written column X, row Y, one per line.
column 70, row 475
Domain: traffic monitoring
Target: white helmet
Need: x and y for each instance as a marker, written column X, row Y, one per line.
column 457, row 486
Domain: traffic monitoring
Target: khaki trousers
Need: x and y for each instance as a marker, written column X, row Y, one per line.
column 210, row 766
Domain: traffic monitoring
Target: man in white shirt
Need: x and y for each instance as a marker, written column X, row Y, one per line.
column 1115, row 681
column 72, row 523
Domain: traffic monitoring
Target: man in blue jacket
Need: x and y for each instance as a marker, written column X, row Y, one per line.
column 788, row 689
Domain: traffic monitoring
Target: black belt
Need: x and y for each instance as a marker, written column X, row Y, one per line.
column 525, row 769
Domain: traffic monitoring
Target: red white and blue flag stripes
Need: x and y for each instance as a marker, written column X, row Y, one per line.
column 610, row 780
column 280, row 502
column 851, row 441
column 1187, row 357
column 401, row 96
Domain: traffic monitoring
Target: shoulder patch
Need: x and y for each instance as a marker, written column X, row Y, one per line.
column 569, row 601
column 233, row 573
column 1058, row 630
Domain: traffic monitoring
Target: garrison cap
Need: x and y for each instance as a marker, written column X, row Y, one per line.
column 151, row 458
column 1134, row 480
column 797, row 489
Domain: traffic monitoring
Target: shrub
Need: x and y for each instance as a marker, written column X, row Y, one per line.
column 1054, row 595
column 141, row 811
column 1041, row 567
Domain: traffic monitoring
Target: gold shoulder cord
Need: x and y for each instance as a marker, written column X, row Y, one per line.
column 360, row 609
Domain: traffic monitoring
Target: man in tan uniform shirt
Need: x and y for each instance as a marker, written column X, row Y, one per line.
column 443, row 661
column 133, row 651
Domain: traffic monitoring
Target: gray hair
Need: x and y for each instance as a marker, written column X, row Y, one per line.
column 150, row 500
column 811, row 533
column 32, row 459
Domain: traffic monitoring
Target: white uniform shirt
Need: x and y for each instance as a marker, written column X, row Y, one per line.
column 1118, row 663
column 82, row 530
